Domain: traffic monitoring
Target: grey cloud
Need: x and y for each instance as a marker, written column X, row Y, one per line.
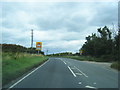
column 106, row 15
column 64, row 22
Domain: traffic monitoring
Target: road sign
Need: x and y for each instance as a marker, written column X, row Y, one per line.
column 38, row 45
column 81, row 51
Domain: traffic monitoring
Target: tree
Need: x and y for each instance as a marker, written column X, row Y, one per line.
column 99, row 45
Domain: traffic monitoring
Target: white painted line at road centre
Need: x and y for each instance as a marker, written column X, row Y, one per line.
column 71, row 71
column 90, row 87
column 81, row 72
column 64, row 62
column 27, row 75
column 69, row 68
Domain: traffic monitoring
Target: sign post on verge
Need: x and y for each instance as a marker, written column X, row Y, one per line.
column 81, row 52
column 38, row 46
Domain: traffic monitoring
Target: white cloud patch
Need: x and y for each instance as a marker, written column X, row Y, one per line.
column 61, row 26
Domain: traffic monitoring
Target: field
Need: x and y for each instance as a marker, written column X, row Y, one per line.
column 16, row 64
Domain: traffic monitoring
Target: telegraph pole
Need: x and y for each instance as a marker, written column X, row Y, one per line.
column 47, row 52
column 113, row 30
column 31, row 40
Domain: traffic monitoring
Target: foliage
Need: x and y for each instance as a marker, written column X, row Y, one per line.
column 14, row 67
column 18, row 48
column 116, row 65
column 102, row 45
column 61, row 54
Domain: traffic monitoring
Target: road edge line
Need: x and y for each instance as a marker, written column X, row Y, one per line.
column 27, row 75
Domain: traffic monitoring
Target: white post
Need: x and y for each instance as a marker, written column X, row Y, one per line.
column 38, row 51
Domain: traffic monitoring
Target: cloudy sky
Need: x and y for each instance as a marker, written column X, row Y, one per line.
column 60, row 26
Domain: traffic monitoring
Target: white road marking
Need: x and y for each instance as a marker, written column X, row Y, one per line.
column 90, row 87
column 80, row 83
column 72, row 68
column 71, row 71
column 81, row 72
column 94, row 83
column 64, row 62
column 68, row 62
column 78, row 73
column 27, row 75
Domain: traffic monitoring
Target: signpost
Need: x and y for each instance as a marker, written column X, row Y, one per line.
column 38, row 46
column 81, row 51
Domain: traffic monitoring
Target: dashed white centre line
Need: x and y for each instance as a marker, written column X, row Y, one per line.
column 78, row 74
column 81, row 72
column 80, row 83
column 64, row 62
column 90, row 87
column 71, row 71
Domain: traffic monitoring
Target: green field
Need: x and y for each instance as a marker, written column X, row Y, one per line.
column 16, row 64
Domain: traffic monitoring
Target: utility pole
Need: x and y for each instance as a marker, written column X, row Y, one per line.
column 114, row 34
column 47, row 52
column 113, row 30
column 31, row 40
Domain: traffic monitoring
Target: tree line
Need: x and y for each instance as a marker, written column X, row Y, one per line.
column 61, row 54
column 18, row 48
column 104, row 44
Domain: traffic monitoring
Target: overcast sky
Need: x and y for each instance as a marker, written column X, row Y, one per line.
column 60, row 26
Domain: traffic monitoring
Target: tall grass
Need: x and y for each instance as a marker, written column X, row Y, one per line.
column 15, row 64
column 84, row 58
column 115, row 64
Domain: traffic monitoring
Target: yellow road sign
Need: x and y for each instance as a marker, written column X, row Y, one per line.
column 81, row 51
column 38, row 45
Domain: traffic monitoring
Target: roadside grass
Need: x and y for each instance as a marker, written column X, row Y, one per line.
column 16, row 64
column 84, row 58
column 115, row 64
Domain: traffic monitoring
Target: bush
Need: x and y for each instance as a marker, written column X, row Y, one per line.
column 108, row 58
column 15, row 65
column 116, row 65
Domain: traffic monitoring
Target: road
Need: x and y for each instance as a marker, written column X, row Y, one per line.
column 68, row 73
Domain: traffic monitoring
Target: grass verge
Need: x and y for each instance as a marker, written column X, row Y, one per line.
column 84, row 58
column 13, row 67
column 116, row 65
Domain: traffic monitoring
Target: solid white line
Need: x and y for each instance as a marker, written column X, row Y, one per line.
column 81, row 72
column 27, row 75
column 80, row 83
column 89, row 87
column 78, row 73
column 64, row 62
column 71, row 71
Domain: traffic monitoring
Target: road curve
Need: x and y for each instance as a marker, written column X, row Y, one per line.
column 68, row 73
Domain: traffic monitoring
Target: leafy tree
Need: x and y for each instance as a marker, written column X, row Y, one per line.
column 102, row 45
